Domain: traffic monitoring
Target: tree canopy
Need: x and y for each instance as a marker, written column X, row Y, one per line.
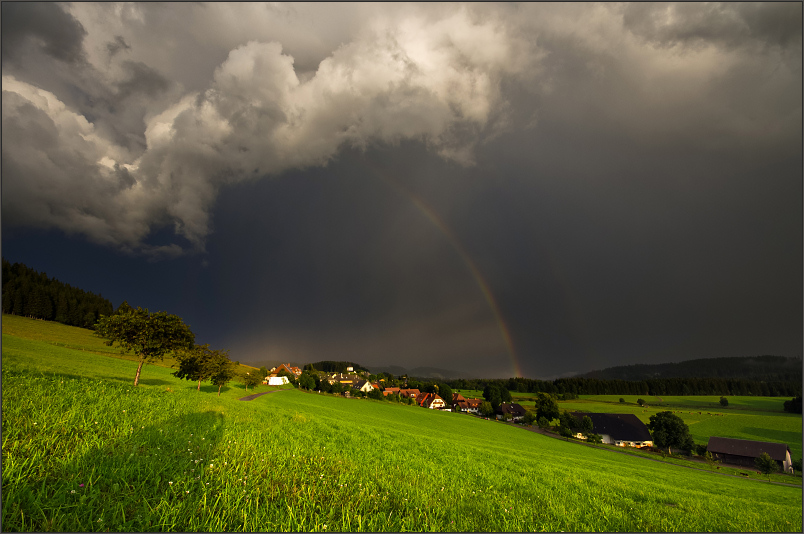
column 669, row 430
column 200, row 363
column 149, row 335
column 546, row 406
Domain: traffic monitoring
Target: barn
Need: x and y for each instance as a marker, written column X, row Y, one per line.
column 621, row 429
column 745, row 452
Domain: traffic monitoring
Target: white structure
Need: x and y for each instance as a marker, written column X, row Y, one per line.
column 278, row 380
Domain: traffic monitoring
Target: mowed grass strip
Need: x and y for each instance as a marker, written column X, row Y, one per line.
column 82, row 453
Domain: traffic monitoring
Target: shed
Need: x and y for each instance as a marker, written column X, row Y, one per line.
column 745, row 452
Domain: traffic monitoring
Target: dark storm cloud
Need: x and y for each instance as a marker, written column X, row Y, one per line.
column 624, row 181
column 732, row 25
column 140, row 79
column 43, row 24
column 117, row 45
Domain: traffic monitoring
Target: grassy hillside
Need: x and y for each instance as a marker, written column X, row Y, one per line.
column 83, row 450
column 756, row 418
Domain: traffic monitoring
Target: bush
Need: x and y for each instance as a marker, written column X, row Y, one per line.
column 594, row 438
column 797, row 465
column 622, row 400
column 766, row 464
column 565, row 432
column 641, row 402
column 543, row 422
column 724, row 401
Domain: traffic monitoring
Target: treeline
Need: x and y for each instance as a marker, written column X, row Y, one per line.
column 32, row 294
column 654, row 387
column 328, row 366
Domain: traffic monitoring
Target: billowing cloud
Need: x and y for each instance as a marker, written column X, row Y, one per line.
column 174, row 101
column 434, row 80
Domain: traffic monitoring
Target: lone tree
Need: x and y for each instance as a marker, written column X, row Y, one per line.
column 250, row 378
column 149, row 335
column 766, row 464
column 669, row 430
column 199, row 364
column 641, row 402
column 224, row 370
column 724, row 401
column 586, row 427
column 546, row 406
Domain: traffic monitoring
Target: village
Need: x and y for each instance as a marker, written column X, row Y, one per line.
column 618, row 429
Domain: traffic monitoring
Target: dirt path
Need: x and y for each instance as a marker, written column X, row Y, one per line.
column 252, row 397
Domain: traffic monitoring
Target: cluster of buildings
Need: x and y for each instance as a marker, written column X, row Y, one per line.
column 622, row 429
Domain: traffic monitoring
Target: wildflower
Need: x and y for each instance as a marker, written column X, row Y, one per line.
column 211, row 465
column 80, row 485
column 72, row 491
column 188, row 491
column 171, row 483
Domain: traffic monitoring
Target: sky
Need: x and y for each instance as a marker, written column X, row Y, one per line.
column 497, row 190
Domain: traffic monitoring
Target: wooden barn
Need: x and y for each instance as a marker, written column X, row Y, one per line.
column 745, row 452
column 621, row 429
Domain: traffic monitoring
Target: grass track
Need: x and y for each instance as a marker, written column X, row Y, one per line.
column 165, row 457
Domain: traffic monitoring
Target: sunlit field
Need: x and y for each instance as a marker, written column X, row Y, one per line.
column 83, row 450
column 755, row 418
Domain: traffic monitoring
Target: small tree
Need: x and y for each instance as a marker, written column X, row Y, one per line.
column 622, row 400
column 594, row 438
column 250, row 378
column 224, row 371
column 710, row 460
column 766, row 464
column 669, row 430
column 724, row 401
column 641, row 402
column 486, row 409
column 529, row 418
column 796, row 464
column 546, row 406
column 197, row 364
column 543, row 422
column 586, row 425
column 565, row 432
column 149, row 336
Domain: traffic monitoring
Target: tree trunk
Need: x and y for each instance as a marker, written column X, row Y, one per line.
column 219, row 390
column 199, row 384
column 139, row 370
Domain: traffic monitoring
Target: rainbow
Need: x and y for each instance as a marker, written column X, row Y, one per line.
column 428, row 212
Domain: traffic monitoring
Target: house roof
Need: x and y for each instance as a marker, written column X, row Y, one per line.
column 409, row 392
column 474, row 403
column 513, row 408
column 619, row 426
column 747, row 447
column 456, row 397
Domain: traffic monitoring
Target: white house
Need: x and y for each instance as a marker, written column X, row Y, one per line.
column 278, row 380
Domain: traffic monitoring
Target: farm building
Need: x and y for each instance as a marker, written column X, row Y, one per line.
column 621, row 429
column 513, row 409
column 409, row 393
column 276, row 380
column 294, row 371
column 745, row 452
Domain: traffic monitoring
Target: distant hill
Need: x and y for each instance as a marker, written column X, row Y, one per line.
column 420, row 372
column 759, row 368
column 334, row 366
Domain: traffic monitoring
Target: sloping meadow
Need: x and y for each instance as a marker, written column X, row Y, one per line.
column 84, row 454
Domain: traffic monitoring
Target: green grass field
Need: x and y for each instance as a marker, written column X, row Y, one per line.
column 83, row 450
column 756, row 418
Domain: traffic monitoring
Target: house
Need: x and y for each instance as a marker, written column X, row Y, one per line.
column 430, row 400
column 745, row 452
column 293, row 371
column 345, row 380
column 513, row 409
column 409, row 393
column 362, row 385
column 390, row 391
column 473, row 405
column 276, row 380
column 620, row 429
